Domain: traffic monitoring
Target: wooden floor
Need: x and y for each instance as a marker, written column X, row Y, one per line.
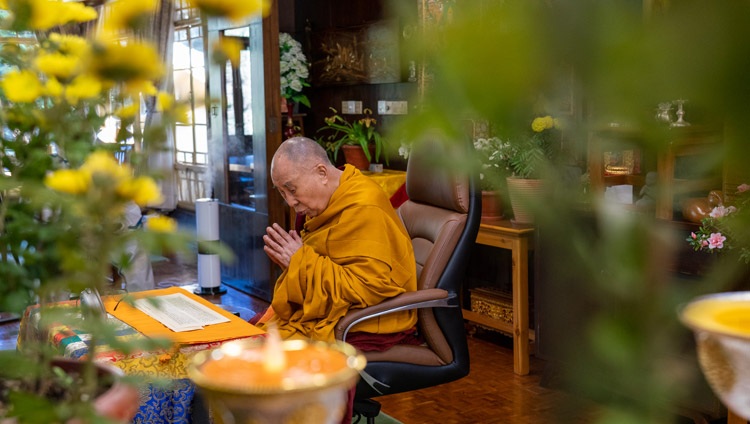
column 491, row 393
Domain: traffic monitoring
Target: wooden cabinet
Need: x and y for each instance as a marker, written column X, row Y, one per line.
column 684, row 159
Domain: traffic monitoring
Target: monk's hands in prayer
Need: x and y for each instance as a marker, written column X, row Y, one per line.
column 281, row 245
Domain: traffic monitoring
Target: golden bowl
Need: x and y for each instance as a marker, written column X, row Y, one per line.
column 721, row 325
column 311, row 387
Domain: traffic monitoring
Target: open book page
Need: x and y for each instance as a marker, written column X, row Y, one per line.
column 178, row 312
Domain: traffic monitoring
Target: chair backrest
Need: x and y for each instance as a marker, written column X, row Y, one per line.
column 435, row 217
column 442, row 217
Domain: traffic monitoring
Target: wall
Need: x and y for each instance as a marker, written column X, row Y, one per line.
column 313, row 21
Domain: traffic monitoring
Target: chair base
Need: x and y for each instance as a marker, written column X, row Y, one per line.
column 366, row 408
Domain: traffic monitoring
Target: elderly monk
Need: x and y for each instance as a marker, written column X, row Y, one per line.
column 353, row 250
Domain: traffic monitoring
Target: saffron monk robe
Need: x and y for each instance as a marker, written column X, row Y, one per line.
column 353, row 250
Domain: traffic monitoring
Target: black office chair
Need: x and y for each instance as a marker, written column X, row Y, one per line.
column 442, row 217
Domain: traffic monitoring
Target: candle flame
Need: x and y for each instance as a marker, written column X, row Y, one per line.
column 274, row 358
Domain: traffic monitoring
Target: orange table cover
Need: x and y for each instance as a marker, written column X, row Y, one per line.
column 235, row 328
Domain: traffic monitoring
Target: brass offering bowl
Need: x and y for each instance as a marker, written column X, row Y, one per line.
column 721, row 324
column 245, row 384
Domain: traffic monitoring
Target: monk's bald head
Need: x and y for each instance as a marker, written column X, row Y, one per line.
column 301, row 151
column 303, row 175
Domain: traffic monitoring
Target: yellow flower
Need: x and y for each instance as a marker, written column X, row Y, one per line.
column 83, row 87
column 227, row 49
column 164, row 101
column 134, row 88
column 71, row 181
column 142, row 190
column 70, row 44
column 542, row 123
column 46, row 14
column 53, row 88
column 232, row 9
column 103, row 163
column 135, row 61
column 22, row 86
column 161, row 224
column 58, row 65
column 128, row 14
column 127, row 112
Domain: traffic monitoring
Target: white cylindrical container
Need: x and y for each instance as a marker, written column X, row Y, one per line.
column 207, row 233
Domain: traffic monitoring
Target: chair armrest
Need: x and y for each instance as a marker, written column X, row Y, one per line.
column 427, row 298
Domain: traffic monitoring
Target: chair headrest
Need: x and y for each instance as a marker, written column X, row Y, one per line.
column 428, row 179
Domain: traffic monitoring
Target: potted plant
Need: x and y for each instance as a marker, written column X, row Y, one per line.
column 359, row 139
column 493, row 157
column 528, row 153
column 64, row 198
column 294, row 70
column 725, row 229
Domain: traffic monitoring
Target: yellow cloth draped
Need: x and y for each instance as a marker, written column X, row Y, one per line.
column 235, row 328
column 390, row 179
column 355, row 254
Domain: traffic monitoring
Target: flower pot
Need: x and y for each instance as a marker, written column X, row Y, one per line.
column 524, row 193
column 492, row 206
column 118, row 401
column 355, row 156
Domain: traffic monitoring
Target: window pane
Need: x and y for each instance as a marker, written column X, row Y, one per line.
column 201, row 138
column 181, row 55
column 196, row 53
column 199, row 117
column 184, row 138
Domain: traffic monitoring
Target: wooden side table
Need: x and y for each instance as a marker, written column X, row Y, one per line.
column 518, row 240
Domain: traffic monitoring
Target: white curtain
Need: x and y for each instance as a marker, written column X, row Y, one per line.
column 161, row 33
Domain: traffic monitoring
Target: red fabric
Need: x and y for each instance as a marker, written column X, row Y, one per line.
column 347, row 419
column 399, row 196
column 372, row 342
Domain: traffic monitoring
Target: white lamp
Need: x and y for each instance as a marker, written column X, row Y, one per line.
column 207, row 231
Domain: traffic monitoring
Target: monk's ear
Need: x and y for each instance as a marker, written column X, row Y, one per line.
column 321, row 171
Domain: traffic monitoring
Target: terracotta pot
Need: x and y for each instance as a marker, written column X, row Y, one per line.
column 523, row 194
column 492, row 206
column 355, row 156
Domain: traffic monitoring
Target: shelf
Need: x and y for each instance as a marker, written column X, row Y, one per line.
column 610, row 146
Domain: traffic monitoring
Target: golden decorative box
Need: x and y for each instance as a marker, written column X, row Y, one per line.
column 493, row 303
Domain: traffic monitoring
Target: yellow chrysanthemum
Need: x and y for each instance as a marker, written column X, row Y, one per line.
column 53, row 88
column 542, row 123
column 46, row 14
column 71, row 181
column 142, row 190
column 227, row 49
column 135, row 61
column 161, row 224
column 134, row 88
column 127, row 112
column 70, row 44
column 58, row 65
column 83, row 87
column 103, row 163
column 128, row 14
column 164, row 101
column 232, row 9
column 22, row 86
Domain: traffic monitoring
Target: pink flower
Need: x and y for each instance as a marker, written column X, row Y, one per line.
column 716, row 241
column 743, row 188
column 721, row 211
column 693, row 235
